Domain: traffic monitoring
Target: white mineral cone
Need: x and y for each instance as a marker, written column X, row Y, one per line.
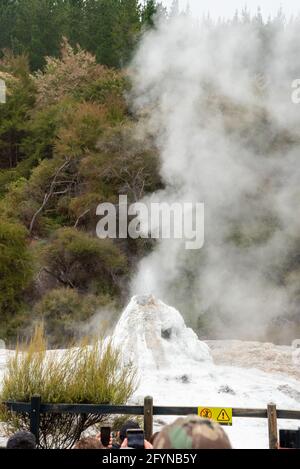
column 153, row 335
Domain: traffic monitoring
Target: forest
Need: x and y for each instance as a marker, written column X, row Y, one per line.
column 66, row 144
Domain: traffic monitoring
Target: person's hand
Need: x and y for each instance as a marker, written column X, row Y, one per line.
column 125, row 443
column 147, row 445
column 110, row 443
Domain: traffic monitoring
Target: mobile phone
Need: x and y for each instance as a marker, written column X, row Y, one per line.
column 105, row 435
column 289, row 439
column 136, row 439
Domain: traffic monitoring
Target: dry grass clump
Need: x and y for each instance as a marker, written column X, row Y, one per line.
column 87, row 374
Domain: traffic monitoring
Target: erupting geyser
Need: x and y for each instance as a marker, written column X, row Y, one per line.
column 152, row 334
column 176, row 368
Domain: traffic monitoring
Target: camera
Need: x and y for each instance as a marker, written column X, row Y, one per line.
column 105, row 435
column 136, row 439
column 289, row 439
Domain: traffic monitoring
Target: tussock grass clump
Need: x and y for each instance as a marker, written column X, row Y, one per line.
column 87, row 374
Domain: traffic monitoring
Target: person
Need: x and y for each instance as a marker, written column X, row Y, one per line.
column 88, row 443
column 129, row 425
column 192, row 432
column 21, row 440
column 122, row 434
column 153, row 437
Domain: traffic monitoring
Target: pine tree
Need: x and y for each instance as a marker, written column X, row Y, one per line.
column 148, row 12
column 74, row 24
column 236, row 17
column 126, row 30
column 188, row 9
column 246, row 18
column 258, row 19
column 7, row 20
column 33, row 27
column 174, row 11
column 280, row 19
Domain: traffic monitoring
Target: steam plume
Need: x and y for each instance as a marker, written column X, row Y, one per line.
column 217, row 100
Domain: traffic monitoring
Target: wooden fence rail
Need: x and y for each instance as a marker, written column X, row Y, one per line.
column 148, row 410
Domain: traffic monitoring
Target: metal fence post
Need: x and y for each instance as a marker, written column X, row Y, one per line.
column 272, row 423
column 148, row 417
column 35, row 405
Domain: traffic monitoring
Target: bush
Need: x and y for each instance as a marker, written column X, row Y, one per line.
column 15, row 266
column 62, row 76
column 82, row 126
column 65, row 312
column 85, row 375
column 77, row 260
column 112, row 83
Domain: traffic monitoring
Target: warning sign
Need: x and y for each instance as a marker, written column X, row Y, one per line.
column 206, row 414
column 221, row 415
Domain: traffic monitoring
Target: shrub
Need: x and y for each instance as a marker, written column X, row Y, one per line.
column 85, row 375
column 82, row 127
column 77, row 260
column 65, row 313
column 62, row 76
column 112, row 83
column 6, row 178
column 15, row 266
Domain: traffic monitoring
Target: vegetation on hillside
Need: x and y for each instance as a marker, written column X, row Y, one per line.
column 67, row 143
column 109, row 29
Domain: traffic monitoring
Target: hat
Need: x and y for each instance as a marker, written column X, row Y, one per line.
column 192, row 432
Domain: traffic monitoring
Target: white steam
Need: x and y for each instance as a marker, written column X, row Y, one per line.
column 217, row 100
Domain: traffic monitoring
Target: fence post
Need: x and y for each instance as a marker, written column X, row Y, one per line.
column 35, row 405
column 272, row 422
column 148, row 417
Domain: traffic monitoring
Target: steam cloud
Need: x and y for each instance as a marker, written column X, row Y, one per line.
column 217, row 100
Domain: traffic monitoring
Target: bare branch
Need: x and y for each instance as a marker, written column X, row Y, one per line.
column 81, row 216
column 47, row 195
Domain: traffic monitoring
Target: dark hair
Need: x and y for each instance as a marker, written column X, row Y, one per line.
column 88, row 443
column 129, row 425
column 22, row 440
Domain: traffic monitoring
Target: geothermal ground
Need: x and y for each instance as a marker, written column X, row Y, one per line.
column 176, row 368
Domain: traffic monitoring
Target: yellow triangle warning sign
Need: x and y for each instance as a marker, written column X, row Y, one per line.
column 223, row 416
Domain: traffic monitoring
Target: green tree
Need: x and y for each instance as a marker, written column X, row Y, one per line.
column 149, row 10
column 174, row 11
column 34, row 27
column 101, row 17
column 14, row 114
column 126, row 30
column 7, row 21
column 107, row 28
column 15, row 267
column 113, row 26
column 75, row 27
